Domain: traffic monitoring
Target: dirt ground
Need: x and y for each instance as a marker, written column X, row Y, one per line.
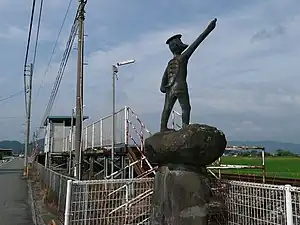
column 45, row 207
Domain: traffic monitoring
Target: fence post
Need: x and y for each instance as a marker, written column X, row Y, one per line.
column 86, row 138
column 93, row 135
column 126, row 125
column 86, row 203
column 68, row 203
column 126, row 199
column 59, row 193
column 288, row 203
column 101, row 133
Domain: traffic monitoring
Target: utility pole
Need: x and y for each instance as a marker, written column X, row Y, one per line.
column 32, row 150
column 35, row 144
column 28, row 115
column 79, row 89
column 71, row 142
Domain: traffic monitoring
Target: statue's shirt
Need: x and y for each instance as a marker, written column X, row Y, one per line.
column 177, row 74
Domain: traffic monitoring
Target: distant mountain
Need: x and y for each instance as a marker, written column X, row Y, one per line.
column 16, row 146
column 270, row 146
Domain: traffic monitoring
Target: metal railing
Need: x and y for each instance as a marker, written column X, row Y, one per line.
column 135, row 134
column 56, row 183
column 129, row 130
column 128, row 202
column 108, row 202
column 294, row 197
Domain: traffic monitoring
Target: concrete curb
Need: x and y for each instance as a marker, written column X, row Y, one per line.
column 39, row 215
column 32, row 203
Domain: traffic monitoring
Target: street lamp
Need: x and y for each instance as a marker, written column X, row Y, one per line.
column 115, row 71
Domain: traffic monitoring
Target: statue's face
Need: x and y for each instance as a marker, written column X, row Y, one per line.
column 177, row 47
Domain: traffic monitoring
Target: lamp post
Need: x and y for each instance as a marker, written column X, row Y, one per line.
column 114, row 75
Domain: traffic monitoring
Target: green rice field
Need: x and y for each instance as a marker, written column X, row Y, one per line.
column 286, row 167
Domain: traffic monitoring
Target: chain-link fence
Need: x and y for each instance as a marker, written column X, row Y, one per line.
column 56, row 185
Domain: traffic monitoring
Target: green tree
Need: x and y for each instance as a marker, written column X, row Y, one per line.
column 283, row 152
column 268, row 154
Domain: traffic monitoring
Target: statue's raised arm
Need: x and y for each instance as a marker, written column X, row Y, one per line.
column 190, row 50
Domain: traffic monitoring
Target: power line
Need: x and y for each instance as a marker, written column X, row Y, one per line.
column 54, row 47
column 27, row 51
column 62, row 67
column 11, row 96
column 37, row 32
column 29, row 32
column 11, row 117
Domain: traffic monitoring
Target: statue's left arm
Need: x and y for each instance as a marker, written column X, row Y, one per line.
column 190, row 50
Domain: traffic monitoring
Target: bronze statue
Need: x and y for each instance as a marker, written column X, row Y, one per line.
column 174, row 83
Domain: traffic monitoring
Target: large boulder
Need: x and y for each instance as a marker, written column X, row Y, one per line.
column 195, row 145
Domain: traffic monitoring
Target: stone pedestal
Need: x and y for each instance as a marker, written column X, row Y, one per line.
column 181, row 191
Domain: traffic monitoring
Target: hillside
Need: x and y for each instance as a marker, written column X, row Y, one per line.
column 270, row 146
column 16, row 146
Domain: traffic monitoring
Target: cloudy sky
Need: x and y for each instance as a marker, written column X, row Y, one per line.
column 243, row 79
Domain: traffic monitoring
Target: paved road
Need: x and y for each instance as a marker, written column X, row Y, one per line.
column 14, row 206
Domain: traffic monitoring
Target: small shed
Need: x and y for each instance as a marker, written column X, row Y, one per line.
column 57, row 132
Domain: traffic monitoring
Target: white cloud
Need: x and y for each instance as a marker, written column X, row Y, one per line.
column 242, row 78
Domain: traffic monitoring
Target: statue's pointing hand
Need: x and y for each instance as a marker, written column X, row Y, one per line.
column 212, row 24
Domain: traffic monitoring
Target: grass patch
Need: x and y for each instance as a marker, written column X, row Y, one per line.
column 285, row 167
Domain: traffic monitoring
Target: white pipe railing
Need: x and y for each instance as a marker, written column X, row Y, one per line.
column 274, row 204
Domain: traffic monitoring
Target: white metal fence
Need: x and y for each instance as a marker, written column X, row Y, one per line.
column 127, row 202
column 295, row 202
column 122, row 202
column 56, row 183
column 128, row 127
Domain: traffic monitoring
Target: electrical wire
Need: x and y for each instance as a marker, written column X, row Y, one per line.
column 27, row 52
column 11, row 117
column 37, row 32
column 62, row 67
column 11, row 96
column 54, row 47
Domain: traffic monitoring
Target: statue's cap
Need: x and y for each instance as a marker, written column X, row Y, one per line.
column 176, row 36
